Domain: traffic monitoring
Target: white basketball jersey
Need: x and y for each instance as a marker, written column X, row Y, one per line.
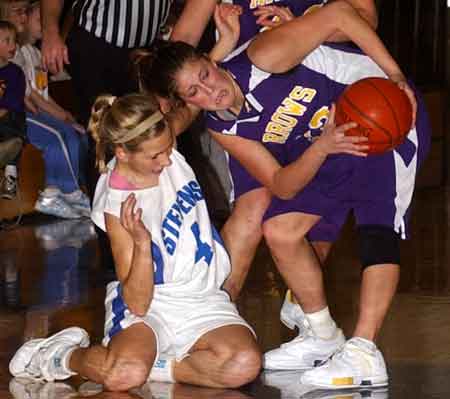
column 189, row 258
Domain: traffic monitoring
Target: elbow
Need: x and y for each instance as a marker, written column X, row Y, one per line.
column 284, row 193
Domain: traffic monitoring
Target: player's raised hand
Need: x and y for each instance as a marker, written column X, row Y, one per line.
column 334, row 141
column 54, row 53
column 226, row 18
column 131, row 220
column 271, row 16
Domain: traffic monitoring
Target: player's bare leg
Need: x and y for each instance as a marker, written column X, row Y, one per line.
column 359, row 362
column 295, row 258
column 124, row 364
column 379, row 283
column 242, row 234
column 291, row 313
column 227, row 357
column 299, row 265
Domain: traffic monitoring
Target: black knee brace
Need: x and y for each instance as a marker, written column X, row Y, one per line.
column 378, row 245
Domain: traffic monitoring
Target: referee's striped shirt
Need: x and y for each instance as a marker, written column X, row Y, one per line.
column 123, row 23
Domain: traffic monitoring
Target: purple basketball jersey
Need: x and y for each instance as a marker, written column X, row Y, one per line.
column 286, row 112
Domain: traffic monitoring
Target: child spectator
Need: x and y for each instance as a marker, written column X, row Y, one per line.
column 12, row 109
column 50, row 128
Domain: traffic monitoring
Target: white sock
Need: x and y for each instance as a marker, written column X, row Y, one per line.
column 11, row 170
column 162, row 370
column 322, row 323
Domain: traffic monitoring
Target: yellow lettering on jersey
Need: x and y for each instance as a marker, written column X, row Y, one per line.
column 259, row 3
column 319, row 118
column 273, row 138
column 290, row 107
column 284, row 120
column 312, row 8
column 304, row 94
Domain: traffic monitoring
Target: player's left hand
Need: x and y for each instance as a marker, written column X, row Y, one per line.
column 271, row 16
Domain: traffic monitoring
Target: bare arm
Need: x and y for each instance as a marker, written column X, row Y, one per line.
column 131, row 247
column 367, row 10
column 275, row 51
column 193, row 21
column 54, row 51
column 286, row 182
column 47, row 106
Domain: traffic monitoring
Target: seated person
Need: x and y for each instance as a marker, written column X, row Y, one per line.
column 167, row 318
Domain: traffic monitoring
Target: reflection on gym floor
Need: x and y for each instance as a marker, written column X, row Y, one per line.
column 51, row 277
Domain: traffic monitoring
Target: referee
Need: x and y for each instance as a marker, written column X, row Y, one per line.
column 104, row 33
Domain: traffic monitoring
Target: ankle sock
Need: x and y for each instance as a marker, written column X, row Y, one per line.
column 162, row 370
column 322, row 323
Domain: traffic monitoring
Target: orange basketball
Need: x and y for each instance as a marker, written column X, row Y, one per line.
column 381, row 109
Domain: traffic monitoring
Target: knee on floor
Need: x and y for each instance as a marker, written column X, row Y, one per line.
column 126, row 374
column 241, row 368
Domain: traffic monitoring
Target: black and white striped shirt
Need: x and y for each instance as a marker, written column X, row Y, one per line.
column 123, row 23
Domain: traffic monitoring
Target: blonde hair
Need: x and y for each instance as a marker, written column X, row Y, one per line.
column 124, row 121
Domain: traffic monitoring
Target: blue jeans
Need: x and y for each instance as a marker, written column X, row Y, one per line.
column 60, row 144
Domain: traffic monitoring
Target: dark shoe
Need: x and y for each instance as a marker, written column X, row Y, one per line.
column 8, row 188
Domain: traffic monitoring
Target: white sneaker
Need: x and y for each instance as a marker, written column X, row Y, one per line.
column 291, row 314
column 22, row 388
column 381, row 393
column 42, row 358
column 56, row 206
column 357, row 364
column 289, row 385
column 303, row 352
column 78, row 201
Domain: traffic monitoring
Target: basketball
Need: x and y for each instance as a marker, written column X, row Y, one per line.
column 381, row 109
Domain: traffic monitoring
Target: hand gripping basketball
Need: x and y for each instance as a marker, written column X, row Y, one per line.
column 381, row 109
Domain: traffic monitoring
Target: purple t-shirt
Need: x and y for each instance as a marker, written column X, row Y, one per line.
column 12, row 88
column 249, row 28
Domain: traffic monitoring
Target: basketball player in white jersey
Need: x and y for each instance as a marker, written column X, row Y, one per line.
column 167, row 318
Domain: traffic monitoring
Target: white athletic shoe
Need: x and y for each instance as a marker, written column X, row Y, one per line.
column 41, row 359
column 291, row 313
column 22, row 388
column 303, row 352
column 357, row 364
column 289, row 385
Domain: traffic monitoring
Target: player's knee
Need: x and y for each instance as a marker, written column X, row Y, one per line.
column 280, row 237
column 378, row 245
column 126, row 374
column 241, row 368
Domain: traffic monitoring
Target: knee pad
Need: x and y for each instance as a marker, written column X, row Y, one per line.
column 378, row 245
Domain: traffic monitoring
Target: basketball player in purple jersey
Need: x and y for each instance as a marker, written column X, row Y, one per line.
column 271, row 125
